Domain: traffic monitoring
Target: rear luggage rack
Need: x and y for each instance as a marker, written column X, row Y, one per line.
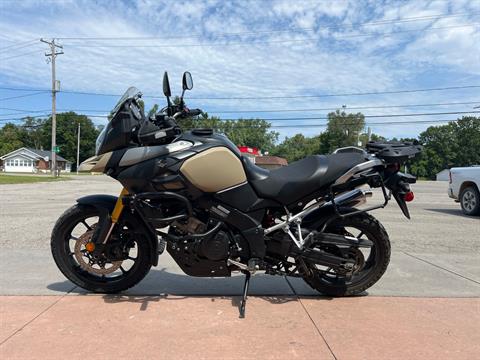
column 394, row 151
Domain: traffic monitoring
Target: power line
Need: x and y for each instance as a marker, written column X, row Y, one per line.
column 21, row 96
column 346, row 108
column 19, row 44
column 24, row 110
column 342, row 26
column 265, row 97
column 339, row 94
column 23, row 54
column 297, row 118
column 27, row 112
column 369, row 116
column 367, row 124
column 18, row 48
column 283, row 41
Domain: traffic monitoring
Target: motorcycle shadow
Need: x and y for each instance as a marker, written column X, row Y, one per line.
column 162, row 285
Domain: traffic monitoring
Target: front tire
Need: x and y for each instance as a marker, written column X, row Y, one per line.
column 68, row 231
column 470, row 201
column 373, row 268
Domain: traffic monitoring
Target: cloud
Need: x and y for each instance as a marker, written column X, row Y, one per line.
column 243, row 53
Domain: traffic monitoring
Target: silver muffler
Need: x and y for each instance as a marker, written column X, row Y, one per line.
column 351, row 198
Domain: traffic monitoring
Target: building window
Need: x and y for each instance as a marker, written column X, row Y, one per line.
column 16, row 162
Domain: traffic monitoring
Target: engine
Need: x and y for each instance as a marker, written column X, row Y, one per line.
column 203, row 250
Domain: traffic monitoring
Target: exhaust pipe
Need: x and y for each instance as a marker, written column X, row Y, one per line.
column 352, row 198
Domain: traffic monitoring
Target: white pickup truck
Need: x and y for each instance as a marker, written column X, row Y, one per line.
column 464, row 187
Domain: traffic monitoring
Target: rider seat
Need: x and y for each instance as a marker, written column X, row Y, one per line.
column 295, row 181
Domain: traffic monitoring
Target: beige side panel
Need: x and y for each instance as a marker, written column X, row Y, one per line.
column 214, row 170
column 95, row 163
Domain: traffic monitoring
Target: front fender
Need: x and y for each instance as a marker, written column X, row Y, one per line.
column 106, row 203
column 99, row 201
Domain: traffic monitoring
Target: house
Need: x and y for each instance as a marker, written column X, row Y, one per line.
column 249, row 153
column 270, row 162
column 264, row 161
column 28, row 160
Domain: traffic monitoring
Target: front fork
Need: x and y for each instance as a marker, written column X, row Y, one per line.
column 107, row 223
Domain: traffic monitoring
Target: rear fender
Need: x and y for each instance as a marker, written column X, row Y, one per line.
column 105, row 204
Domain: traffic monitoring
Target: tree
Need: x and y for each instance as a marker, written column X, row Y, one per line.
column 32, row 132
column 446, row 146
column 67, row 127
column 297, row 147
column 250, row 132
column 342, row 130
column 10, row 138
column 247, row 132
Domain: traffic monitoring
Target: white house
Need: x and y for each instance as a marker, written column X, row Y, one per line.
column 29, row 160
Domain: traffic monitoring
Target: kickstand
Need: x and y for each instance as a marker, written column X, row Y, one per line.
column 245, row 292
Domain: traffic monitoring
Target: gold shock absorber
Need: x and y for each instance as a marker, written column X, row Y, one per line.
column 117, row 210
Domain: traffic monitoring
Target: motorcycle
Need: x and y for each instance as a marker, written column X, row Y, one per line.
column 216, row 212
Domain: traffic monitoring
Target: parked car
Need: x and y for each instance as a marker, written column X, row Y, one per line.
column 464, row 187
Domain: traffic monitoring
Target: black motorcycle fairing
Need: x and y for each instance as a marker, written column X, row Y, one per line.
column 106, row 204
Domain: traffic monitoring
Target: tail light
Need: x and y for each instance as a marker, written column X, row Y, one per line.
column 409, row 196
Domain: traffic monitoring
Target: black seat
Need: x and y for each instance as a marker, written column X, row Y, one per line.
column 295, row 181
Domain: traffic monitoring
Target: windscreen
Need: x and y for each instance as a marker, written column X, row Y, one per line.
column 132, row 92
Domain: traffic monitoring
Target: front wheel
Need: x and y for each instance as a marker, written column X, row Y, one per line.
column 370, row 263
column 125, row 261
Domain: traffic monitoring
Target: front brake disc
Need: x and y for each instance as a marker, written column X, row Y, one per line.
column 86, row 260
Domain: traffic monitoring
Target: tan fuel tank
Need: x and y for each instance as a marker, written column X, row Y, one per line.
column 214, row 170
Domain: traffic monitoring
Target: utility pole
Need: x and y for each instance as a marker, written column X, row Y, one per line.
column 78, row 147
column 53, row 54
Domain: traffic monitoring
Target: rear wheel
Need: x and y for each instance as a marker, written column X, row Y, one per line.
column 122, row 265
column 470, row 201
column 370, row 263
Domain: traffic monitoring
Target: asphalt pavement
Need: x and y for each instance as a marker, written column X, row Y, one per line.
column 426, row 306
column 434, row 254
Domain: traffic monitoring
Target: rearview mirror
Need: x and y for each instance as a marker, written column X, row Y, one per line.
column 166, row 86
column 187, row 81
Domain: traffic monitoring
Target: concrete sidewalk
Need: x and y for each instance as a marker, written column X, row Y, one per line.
column 276, row 327
column 425, row 307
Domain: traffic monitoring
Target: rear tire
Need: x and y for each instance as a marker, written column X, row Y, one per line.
column 470, row 201
column 377, row 265
column 61, row 235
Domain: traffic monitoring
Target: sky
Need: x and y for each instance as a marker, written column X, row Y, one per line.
column 273, row 59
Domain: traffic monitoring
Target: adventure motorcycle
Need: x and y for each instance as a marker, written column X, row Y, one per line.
column 216, row 212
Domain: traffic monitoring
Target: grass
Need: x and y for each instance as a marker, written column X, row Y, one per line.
column 26, row 179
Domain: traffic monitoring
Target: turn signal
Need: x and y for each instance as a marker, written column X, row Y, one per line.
column 90, row 246
column 409, row 196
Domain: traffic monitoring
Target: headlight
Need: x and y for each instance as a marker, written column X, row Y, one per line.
column 100, row 139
